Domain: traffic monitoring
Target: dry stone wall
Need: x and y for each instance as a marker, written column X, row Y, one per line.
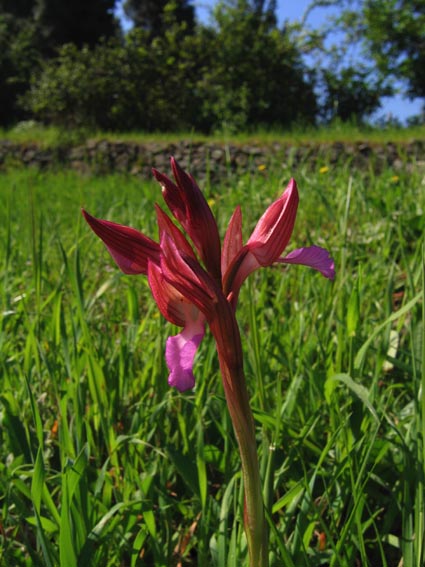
column 212, row 159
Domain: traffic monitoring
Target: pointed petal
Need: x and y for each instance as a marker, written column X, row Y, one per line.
column 273, row 231
column 189, row 206
column 200, row 222
column 188, row 277
column 171, row 303
column 232, row 242
column 266, row 243
column 166, row 225
column 243, row 264
column 171, row 195
column 130, row 249
column 314, row 256
column 180, row 352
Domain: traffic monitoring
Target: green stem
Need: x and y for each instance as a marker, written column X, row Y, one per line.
column 231, row 365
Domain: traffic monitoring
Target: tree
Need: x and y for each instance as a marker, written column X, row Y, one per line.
column 150, row 15
column 135, row 84
column 395, row 34
column 256, row 76
column 240, row 73
column 17, row 8
column 19, row 56
column 350, row 94
column 266, row 11
column 80, row 22
column 391, row 34
column 57, row 22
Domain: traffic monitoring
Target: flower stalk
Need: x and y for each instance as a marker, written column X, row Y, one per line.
column 196, row 282
column 243, row 424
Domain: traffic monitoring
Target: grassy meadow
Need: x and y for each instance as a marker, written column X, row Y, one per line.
column 30, row 132
column 102, row 464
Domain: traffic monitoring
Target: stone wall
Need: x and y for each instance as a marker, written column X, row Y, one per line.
column 213, row 159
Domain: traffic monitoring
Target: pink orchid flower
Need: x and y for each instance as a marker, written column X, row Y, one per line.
column 188, row 293
column 196, row 282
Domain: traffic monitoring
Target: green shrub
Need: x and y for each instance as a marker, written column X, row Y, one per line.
column 240, row 73
column 18, row 58
column 115, row 86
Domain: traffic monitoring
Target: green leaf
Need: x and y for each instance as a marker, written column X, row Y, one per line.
column 360, row 391
column 186, row 469
column 358, row 361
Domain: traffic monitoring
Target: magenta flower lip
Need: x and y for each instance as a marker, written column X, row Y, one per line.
column 193, row 278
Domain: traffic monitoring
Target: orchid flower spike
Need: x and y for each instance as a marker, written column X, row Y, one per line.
column 194, row 280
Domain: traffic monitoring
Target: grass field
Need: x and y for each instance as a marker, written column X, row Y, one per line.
column 48, row 137
column 102, row 464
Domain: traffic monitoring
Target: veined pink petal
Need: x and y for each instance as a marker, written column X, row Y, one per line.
column 190, row 208
column 173, row 306
column 187, row 276
column 180, row 352
column 314, row 256
column 273, row 231
column 130, row 249
column 172, row 196
column 242, row 265
column 266, row 243
column 166, row 225
column 232, row 243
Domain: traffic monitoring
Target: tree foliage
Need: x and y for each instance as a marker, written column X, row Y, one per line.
column 19, row 57
column 32, row 30
column 138, row 84
column 151, row 15
column 350, row 95
column 17, row 8
column 264, row 10
column 256, row 76
column 237, row 74
column 79, row 22
column 390, row 33
column 170, row 72
column 395, row 32
column 60, row 21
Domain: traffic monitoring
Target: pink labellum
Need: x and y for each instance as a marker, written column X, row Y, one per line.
column 313, row 256
column 180, row 352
